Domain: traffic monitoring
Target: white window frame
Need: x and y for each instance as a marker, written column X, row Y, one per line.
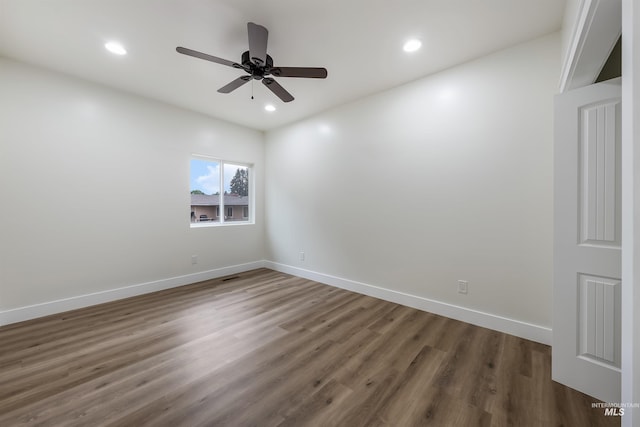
column 221, row 207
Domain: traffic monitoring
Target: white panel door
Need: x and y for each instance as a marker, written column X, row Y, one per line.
column 587, row 238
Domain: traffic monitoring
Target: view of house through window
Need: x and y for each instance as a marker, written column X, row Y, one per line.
column 218, row 187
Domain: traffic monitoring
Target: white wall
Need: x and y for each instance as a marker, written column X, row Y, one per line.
column 94, row 186
column 445, row 178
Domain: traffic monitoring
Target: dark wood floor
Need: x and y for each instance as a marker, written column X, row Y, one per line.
column 269, row 349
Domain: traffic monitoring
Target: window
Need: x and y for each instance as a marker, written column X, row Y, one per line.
column 218, row 186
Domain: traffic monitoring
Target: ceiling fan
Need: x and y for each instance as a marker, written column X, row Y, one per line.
column 258, row 65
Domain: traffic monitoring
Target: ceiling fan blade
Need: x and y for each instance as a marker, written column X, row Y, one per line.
column 234, row 84
column 308, row 72
column 258, row 36
column 206, row 57
column 274, row 87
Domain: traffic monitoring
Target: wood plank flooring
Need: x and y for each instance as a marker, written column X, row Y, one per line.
column 269, row 349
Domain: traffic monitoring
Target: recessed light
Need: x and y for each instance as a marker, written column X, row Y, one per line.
column 269, row 107
column 115, row 48
column 412, row 45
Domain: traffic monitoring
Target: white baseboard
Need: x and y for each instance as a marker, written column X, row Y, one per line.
column 53, row 307
column 520, row 329
column 510, row 326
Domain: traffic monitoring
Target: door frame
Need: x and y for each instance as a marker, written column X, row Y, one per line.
column 594, row 26
column 594, row 32
column 630, row 211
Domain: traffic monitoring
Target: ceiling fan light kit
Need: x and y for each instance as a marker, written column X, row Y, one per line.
column 258, row 65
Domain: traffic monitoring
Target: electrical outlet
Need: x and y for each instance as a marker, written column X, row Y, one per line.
column 301, row 256
column 194, row 259
column 463, row 287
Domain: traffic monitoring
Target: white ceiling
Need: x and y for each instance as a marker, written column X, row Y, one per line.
column 358, row 41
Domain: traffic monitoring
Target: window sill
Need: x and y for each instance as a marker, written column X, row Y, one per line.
column 210, row 224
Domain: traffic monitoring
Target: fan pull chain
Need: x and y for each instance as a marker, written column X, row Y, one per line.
column 251, row 88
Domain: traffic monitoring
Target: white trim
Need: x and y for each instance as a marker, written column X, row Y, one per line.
column 53, row 307
column 213, row 224
column 596, row 30
column 630, row 389
column 518, row 328
column 510, row 326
